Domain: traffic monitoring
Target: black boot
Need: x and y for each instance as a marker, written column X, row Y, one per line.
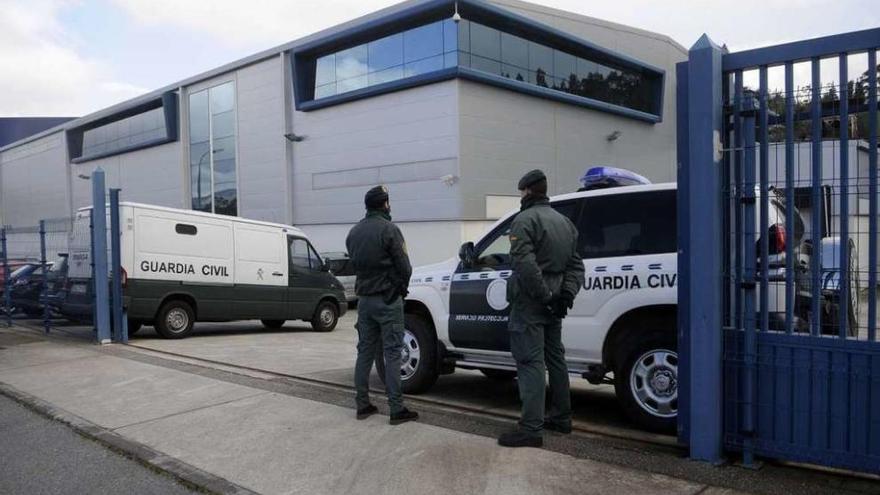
column 403, row 416
column 366, row 412
column 519, row 438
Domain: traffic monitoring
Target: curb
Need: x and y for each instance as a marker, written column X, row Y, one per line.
column 185, row 473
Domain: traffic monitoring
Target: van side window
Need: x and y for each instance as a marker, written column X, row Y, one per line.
column 628, row 225
column 185, row 229
column 299, row 253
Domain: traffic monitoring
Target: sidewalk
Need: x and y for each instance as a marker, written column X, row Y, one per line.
column 238, row 438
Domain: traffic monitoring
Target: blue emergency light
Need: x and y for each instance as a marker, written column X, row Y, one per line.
column 605, row 177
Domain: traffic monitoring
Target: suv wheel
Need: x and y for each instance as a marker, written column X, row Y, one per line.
column 175, row 320
column 646, row 382
column 418, row 362
column 326, row 316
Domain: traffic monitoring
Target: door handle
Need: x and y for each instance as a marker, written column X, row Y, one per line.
column 277, row 274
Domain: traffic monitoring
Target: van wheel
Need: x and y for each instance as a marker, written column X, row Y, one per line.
column 175, row 320
column 418, row 363
column 646, row 382
column 498, row 375
column 134, row 326
column 273, row 324
column 326, row 317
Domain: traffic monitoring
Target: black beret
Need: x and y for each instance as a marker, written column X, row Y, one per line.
column 531, row 178
column 376, row 197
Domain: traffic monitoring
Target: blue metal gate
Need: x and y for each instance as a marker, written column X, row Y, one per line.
column 778, row 207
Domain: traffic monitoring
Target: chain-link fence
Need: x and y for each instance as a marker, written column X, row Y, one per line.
column 33, row 269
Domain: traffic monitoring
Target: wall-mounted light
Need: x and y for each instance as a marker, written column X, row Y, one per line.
column 613, row 136
column 449, row 180
column 294, row 138
column 456, row 17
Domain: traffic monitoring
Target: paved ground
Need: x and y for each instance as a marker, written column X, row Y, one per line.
column 275, row 443
column 272, row 434
column 296, row 350
column 40, row 456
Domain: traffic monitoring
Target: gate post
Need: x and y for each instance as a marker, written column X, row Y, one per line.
column 120, row 333
column 6, row 287
column 44, row 286
column 700, row 254
column 99, row 257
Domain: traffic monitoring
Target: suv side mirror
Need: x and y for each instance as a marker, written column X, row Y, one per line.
column 467, row 254
column 325, row 266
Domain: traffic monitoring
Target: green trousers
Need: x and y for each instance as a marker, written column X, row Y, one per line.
column 379, row 326
column 536, row 344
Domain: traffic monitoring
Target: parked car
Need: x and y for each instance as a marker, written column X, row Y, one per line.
column 25, row 293
column 623, row 326
column 183, row 266
column 14, row 264
column 342, row 268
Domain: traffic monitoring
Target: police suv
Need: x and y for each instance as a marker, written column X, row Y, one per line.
column 623, row 321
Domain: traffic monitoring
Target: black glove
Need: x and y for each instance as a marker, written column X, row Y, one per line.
column 560, row 305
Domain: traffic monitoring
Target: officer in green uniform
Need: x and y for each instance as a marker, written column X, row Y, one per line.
column 382, row 267
column 547, row 274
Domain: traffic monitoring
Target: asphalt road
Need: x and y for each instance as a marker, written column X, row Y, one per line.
column 41, row 456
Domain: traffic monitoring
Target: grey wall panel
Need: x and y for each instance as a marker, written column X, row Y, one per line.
column 261, row 166
column 505, row 134
column 34, row 182
column 152, row 175
column 408, row 140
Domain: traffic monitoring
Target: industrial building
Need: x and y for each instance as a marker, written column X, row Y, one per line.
column 447, row 103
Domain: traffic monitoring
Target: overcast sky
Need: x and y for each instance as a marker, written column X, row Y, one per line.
column 72, row 57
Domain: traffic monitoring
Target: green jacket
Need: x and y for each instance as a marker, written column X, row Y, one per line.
column 543, row 254
column 378, row 254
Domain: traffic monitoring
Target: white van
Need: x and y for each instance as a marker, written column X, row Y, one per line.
column 182, row 266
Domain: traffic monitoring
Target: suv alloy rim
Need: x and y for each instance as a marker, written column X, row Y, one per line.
column 177, row 320
column 410, row 355
column 654, row 382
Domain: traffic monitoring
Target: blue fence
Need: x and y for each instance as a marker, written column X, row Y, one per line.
column 778, row 190
column 35, row 261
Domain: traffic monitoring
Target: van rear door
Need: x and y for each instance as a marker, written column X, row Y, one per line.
column 260, row 272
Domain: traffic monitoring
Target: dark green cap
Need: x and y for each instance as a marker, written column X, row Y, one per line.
column 531, row 178
column 376, row 197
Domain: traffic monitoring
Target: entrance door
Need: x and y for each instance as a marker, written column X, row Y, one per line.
column 304, row 281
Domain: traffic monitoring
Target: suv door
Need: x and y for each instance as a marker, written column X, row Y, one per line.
column 478, row 307
column 305, row 278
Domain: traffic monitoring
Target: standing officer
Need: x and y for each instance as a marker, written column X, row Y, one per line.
column 381, row 264
column 547, row 274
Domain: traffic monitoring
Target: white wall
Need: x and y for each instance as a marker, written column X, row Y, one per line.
column 33, row 181
column 407, row 140
column 505, row 134
column 153, row 175
column 262, row 167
